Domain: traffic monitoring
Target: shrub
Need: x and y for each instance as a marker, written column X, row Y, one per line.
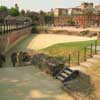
column 84, row 33
column 47, row 63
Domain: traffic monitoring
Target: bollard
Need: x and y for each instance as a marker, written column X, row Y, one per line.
column 69, row 60
column 96, row 47
column 85, row 53
column 78, row 58
column 91, row 51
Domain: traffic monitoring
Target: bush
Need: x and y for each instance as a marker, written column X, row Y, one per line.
column 92, row 34
column 34, row 29
column 84, row 33
column 45, row 62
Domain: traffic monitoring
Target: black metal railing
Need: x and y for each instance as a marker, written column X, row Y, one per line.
column 6, row 28
column 82, row 55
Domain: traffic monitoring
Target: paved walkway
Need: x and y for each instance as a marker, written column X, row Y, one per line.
column 28, row 82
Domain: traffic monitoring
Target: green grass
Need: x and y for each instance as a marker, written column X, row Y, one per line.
column 40, row 27
column 78, row 45
column 72, row 48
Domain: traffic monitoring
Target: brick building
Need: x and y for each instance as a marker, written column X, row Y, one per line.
column 87, row 21
column 60, row 12
column 97, row 7
column 80, row 15
column 74, row 11
column 60, row 21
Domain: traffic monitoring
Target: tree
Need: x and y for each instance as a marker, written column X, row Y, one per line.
column 3, row 13
column 13, row 12
column 42, row 15
column 70, row 21
column 34, row 16
column 3, row 9
column 23, row 12
column 89, row 13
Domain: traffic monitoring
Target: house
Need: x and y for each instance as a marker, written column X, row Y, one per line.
column 97, row 8
column 60, row 21
column 60, row 12
column 74, row 11
column 87, row 21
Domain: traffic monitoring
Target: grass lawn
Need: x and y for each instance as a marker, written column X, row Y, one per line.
column 64, row 49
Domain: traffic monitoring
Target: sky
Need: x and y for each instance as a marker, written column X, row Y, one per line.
column 37, row 5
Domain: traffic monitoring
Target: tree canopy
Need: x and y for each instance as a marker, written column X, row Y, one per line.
column 3, row 9
column 14, row 12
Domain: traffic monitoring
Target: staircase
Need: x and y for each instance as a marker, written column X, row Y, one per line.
column 67, row 74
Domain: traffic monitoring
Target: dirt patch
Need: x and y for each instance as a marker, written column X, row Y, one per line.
column 44, row 40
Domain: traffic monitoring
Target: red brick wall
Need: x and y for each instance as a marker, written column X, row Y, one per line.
column 60, row 20
column 84, row 21
column 13, row 36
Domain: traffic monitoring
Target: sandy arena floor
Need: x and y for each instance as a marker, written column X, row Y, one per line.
column 41, row 41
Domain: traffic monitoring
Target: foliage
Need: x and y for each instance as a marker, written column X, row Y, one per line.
column 48, row 19
column 88, row 11
column 34, row 29
column 70, row 21
column 13, row 12
column 84, row 33
column 3, row 9
column 51, row 64
column 22, row 12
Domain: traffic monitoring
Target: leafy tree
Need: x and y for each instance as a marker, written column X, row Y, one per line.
column 70, row 21
column 42, row 15
column 13, row 12
column 89, row 13
column 3, row 9
column 23, row 12
column 3, row 13
column 34, row 16
column 49, row 19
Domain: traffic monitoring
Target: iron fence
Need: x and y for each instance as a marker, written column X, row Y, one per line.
column 6, row 28
column 82, row 55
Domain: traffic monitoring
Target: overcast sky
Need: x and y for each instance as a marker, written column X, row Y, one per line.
column 37, row 5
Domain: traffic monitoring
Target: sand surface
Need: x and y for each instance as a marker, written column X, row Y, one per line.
column 41, row 41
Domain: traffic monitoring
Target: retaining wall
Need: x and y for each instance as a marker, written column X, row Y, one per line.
column 7, row 40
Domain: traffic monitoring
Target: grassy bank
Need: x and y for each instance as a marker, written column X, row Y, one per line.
column 64, row 49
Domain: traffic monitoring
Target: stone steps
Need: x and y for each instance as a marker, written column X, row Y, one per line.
column 66, row 73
